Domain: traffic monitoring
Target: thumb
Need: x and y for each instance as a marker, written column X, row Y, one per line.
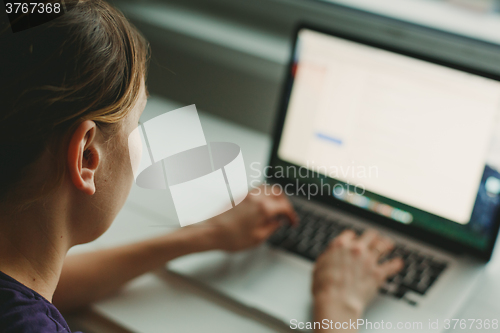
column 392, row 267
column 268, row 229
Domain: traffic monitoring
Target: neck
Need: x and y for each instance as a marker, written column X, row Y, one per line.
column 33, row 244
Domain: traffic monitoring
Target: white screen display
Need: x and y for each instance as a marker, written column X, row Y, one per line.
column 425, row 130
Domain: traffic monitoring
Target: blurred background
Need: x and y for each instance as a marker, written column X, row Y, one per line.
column 229, row 56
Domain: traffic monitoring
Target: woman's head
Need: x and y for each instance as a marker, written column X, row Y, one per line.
column 71, row 91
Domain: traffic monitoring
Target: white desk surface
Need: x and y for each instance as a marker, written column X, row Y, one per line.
column 162, row 302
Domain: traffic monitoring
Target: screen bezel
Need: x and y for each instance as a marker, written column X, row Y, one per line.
column 416, row 232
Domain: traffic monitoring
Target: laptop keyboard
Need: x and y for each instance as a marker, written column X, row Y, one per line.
column 315, row 231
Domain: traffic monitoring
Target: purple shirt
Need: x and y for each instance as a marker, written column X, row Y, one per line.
column 24, row 310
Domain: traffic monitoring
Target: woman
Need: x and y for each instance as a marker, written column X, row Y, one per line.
column 71, row 92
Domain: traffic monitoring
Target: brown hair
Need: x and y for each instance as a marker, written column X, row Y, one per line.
column 85, row 65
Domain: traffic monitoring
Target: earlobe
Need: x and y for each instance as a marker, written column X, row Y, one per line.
column 83, row 157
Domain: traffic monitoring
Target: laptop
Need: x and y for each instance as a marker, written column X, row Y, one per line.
column 372, row 136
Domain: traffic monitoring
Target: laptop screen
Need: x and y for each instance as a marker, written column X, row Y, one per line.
column 408, row 139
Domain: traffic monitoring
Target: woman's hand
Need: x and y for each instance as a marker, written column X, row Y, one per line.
column 252, row 221
column 348, row 275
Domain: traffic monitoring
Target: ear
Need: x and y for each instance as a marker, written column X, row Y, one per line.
column 83, row 157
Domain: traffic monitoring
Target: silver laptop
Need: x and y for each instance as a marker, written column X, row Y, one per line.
column 370, row 136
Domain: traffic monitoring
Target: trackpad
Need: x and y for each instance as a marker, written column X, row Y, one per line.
column 264, row 278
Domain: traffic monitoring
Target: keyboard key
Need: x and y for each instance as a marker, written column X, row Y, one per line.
column 302, row 247
column 315, row 231
column 315, row 251
column 400, row 292
column 438, row 267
